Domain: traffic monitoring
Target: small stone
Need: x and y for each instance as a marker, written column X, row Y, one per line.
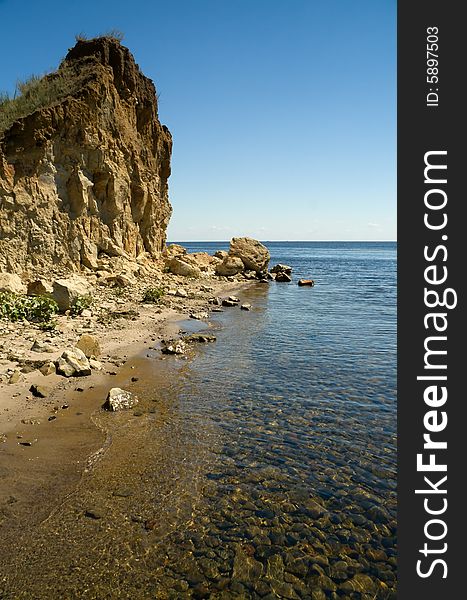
column 227, row 302
column 89, row 345
column 52, row 418
column 118, row 399
column 283, row 277
column 281, row 268
column 181, row 293
column 134, row 379
column 27, row 443
column 306, row 282
column 15, row 376
column 245, row 306
column 173, row 347
column 39, row 391
column 73, row 363
column 201, row 338
column 38, row 347
column 94, row 512
column 48, row 369
column 123, row 492
column 200, row 316
column 378, row 514
column 95, row 364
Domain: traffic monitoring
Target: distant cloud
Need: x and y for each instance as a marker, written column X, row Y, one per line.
column 374, row 225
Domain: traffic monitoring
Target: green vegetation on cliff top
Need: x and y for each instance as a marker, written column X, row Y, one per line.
column 38, row 92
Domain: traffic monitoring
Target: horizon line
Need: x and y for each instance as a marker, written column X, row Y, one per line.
column 314, row 241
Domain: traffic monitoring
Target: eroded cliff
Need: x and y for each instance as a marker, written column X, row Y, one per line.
column 86, row 175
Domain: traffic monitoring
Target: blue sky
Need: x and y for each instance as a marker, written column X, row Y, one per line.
column 283, row 112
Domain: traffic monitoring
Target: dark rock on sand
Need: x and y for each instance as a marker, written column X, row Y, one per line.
column 39, row 391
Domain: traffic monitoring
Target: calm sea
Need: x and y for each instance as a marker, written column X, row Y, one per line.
column 263, row 468
column 303, row 392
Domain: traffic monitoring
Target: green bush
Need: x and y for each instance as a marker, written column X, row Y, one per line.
column 79, row 304
column 153, row 294
column 39, row 309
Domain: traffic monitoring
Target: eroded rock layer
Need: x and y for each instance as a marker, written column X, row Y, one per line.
column 87, row 174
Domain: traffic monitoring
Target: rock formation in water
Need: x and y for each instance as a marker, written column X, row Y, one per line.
column 86, row 174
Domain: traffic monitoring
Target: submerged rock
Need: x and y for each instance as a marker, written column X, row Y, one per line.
column 200, row 337
column 118, row 399
column 281, row 268
column 227, row 302
column 284, row 277
column 306, row 282
column 245, row 306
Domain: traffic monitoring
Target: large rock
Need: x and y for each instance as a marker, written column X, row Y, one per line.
column 73, row 363
column 177, row 266
column 118, row 399
column 89, row 345
column 66, row 291
column 86, row 174
column 39, row 287
column 281, row 268
column 231, row 265
column 174, row 251
column 9, row 282
column 255, row 256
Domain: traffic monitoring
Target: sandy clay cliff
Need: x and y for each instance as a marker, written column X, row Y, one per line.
column 86, row 174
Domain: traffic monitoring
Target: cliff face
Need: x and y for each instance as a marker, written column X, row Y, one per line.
column 88, row 173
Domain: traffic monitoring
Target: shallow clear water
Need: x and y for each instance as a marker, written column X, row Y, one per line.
column 263, row 468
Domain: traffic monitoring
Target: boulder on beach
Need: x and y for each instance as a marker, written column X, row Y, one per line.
column 39, row 287
column 9, row 282
column 73, row 363
column 66, row 291
column 231, row 265
column 178, row 266
column 255, row 256
column 174, row 251
column 89, row 344
column 118, row 399
column 306, row 282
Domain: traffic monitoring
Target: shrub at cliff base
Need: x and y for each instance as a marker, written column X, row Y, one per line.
column 39, row 309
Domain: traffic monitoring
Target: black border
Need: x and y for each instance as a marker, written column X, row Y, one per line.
column 422, row 129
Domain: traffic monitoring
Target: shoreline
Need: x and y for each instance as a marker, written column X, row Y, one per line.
column 51, row 442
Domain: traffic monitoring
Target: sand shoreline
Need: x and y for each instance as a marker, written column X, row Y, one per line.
column 64, row 437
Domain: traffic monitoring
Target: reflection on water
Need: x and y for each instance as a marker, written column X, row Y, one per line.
column 265, row 468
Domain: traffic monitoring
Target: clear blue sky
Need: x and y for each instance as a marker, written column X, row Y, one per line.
column 283, row 112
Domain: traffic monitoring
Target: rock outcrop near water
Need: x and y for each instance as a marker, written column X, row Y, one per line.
column 86, row 174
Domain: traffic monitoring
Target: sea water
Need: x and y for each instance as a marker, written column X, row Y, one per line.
column 264, row 467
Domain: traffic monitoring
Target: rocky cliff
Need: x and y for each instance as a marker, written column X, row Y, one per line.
column 86, row 174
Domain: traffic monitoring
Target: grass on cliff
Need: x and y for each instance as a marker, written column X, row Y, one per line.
column 34, row 93
column 38, row 92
